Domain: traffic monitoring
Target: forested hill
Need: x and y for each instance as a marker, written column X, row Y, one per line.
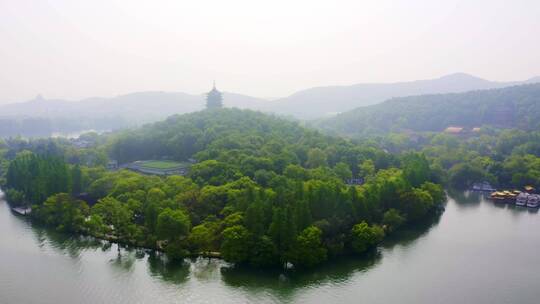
column 265, row 191
column 232, row 136
column 512, row 107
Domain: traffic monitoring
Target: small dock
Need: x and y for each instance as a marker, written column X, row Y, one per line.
column 22, row 210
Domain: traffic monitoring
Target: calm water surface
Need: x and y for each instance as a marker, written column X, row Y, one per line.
column 476, row 252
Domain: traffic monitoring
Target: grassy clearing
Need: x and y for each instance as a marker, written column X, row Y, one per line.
column 161, row 164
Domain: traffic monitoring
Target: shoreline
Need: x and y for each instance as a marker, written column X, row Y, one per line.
column 436, row 212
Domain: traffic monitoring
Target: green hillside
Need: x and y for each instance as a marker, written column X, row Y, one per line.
column 513, row 107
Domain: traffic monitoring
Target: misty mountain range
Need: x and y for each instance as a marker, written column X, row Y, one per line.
column 324, row 101
column 142, row 107
column 138, row 107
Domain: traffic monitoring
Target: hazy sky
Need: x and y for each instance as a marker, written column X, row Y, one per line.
column 75, row 49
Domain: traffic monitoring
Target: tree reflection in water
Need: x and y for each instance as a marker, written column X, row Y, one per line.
column 340, row 270
column 465, row 199
column 174, row 272
column 124, row 260
column 67, row 244
column 277, row 282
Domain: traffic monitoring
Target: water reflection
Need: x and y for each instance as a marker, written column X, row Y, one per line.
column 407, row 236
column 467, row 199
column 334, row 272
column 532, row 210
column 174, row 272
column 124, row 261
column 285, row 284
column 203, row 269
column 206, row 269
column 71, row 245
column 501, row 205
column 276, row 283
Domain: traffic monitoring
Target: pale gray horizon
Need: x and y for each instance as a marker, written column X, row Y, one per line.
column 79, row 49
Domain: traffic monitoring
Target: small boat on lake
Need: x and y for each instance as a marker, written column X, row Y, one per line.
column 511, row 196
column 522, row 199
column 533, row 201
column 498, row 197
column 22, row 210
column 505, row 196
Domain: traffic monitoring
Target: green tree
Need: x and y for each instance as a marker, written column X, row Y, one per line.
column 62, row 212
column 201, row 238
column 236, row 244
column 296, row 172
column 436, row 191
column 416, row 203
column 367, row 168
column 303, row 214
column 255, row 219
column 392, row 219
column 116, row 214
column 263, row 253
column 154, row 204
column 282, row 229
column 316, row 158
column 38, row 176
column 76, row 179
column 96, row 226
column 343, row 171
column 172, row 224
column 415, row 168
column 308, row 249
column 365, row 236
column 212, row 172
column 463, row 175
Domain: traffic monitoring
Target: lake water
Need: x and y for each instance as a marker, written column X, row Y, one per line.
column 476, row 252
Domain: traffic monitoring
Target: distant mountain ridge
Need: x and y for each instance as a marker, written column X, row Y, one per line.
column 510, row 107
column 324, row 101
column 139, row 106
column 42, row 117
column 305, row 104
column 57, row 115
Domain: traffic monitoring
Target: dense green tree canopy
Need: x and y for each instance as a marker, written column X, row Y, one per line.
column 172, row 224
column 308, row 249
column 365, row 236
column 264, row 191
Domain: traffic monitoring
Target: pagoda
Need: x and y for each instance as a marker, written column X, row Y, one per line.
column 214, row 99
